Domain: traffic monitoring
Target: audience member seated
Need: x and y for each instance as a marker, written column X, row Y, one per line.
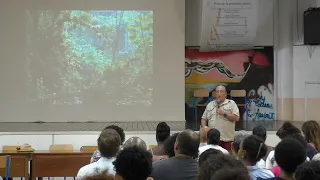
column 308, row 171
column 286, row 130
column 238, row 138
column 135, row 141
column 277, row 170
column 222, row 167
column 208, row 153
column 108, row 144
column 162, row 133
column 203, row 136
column 213, row 138
column 96, row 155
column 103, row 175
column 289, row 154
column 183, row 166
column 252, row 149
column 133, row 163
column 262, row 133
column 169, row 145
column 311, row 131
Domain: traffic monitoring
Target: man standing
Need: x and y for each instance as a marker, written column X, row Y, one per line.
column 222, row 114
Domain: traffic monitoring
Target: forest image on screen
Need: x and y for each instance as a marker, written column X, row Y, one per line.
column 86, row 57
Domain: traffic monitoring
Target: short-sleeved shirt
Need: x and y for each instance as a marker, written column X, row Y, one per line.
column 225, row 126
column 97, row 167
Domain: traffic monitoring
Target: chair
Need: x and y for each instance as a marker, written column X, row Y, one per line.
column 152, row 146
column 88, row 148
column 200, row 93
column 11, row 148
column 61, row 147
column 240, row 94
column 5, row 163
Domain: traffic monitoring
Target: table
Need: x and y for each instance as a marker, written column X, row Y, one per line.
column 58, row 163
column 19, row 164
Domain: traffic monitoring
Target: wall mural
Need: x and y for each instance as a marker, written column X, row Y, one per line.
column 251, row 70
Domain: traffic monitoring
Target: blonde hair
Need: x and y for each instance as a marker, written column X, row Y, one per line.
column 311, row 131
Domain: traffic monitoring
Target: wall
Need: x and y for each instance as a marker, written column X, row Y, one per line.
column 265, row 30
column 296, row 63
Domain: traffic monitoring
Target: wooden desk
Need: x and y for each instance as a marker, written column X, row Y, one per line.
column 19, row 164
column 58, row 163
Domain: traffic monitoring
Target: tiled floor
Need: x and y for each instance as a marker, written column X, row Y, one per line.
column 127, row 126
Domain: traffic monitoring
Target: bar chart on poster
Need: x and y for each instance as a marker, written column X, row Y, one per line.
column 229, row 25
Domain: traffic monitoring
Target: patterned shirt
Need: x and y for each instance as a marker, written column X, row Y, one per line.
column 95, row 156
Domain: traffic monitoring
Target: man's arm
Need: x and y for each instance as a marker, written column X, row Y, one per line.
column 204, row 122
column 234, row 115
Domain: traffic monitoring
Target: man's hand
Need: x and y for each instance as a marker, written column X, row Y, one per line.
column 220, row 112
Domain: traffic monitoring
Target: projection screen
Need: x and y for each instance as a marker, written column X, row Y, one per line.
column 97, row 60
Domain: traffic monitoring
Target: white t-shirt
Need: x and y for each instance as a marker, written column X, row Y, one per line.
column 211, row 146
column 97, row 167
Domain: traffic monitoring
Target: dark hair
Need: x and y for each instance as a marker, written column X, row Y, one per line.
column 260, row 131
column 289, row 154
column 162, row 132
column 169, row 144
column 109, row 143
column 255, row 148
column 213, row 136
column 103, row 175
column 287, row 129
column 119, row 130
column 308, row 171
column 207, row 154
column 299, row 138
column 188, row 143
column 311, row 130
column 231, row 174
column 219, row 162
column 133, row 163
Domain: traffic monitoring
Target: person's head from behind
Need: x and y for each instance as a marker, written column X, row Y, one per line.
column 119, row 130
column 299, row 138
column 215, row 164
column 103, row 175
column 289, row 154
column 260, row 131
column 109, row 143
column 187, row 144
column 238, row 138
column 231, row 174
column 135, row 142
column 213, row 136
column 169, row 144
column 287, row 129
column 207, row 154
column 308, row 171
column 311, row 131
column 252, row 149
column 203, row 134
column 220, row 93
column 133, row 163
column 162, row 132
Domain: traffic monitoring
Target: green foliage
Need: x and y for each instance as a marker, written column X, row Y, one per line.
column 88, row 52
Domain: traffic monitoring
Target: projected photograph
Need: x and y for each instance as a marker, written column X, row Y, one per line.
column 86, row 57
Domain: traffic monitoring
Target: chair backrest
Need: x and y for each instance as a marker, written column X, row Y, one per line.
column 201, row 93
column 10, row 148
column 152, row 146
column 61, row 147
column 88, row 148
column 238, row 93
column 5, row 163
